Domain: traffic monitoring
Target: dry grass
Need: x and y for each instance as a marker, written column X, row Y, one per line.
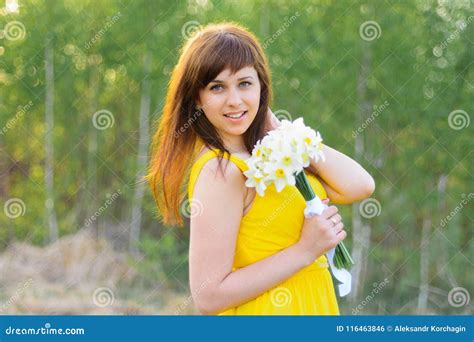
column 78, row 274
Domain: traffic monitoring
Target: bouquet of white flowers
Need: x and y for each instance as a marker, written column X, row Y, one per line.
column 279, row 159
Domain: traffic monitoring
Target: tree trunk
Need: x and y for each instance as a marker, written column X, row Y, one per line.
column 361, row 230
column 48, row 144
column 91, row 192
column 443, row 255
column 142, row 157
column 424, row 266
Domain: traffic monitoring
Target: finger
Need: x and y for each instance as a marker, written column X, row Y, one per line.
column 339, row 227
column 329, row 212
column 336, row 219
column 325, row 201
column 341, row 235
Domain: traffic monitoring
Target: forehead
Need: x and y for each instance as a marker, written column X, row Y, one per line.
column 227, row 74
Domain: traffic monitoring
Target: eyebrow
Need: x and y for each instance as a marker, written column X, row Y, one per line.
column 240, row 79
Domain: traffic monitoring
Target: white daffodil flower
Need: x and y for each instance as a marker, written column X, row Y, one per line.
column 281, row 154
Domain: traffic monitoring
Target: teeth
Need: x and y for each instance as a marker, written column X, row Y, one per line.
column 236, row 116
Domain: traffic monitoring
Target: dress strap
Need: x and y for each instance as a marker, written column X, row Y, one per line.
column 204, row 158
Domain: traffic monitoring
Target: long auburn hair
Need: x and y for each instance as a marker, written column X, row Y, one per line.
column 182, row 128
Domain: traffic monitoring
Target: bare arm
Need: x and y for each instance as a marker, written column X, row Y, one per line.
column 214, row 286
column 344, row 180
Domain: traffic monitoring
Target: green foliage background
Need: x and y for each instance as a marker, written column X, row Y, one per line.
column 322, row 69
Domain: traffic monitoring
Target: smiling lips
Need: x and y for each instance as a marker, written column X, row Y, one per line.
column 236, row 116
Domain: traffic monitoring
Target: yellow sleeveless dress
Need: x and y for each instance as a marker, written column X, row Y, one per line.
column 273, row 223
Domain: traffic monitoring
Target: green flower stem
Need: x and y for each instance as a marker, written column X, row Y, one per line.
column 342, row 257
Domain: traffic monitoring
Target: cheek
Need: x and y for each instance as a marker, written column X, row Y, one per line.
column 208, row 101
column 254, row 99
column 212, row 106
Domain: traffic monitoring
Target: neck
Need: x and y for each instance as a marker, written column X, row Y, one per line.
column 234, row 144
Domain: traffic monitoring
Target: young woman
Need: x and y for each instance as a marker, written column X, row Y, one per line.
column 248, row 255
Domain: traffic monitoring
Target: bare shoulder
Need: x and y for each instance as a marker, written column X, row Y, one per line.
column 224, row 174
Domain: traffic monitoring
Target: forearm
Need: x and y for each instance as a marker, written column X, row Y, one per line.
column 343, row 175
column 343, row 178
column 249, row 282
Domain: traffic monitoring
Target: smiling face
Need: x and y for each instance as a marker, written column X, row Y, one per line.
column 231, row 101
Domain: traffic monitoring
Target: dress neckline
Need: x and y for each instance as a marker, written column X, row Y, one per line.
column 217, row 152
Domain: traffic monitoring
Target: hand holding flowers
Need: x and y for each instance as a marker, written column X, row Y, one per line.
column 279, row 159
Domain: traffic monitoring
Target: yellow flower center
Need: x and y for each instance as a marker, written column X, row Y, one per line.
column 305, row 157
column 287, row 160
column 280, row 173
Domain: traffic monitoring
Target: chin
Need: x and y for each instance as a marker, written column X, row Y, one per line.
column 238, row 130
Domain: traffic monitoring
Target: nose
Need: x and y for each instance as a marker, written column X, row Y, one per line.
column 233, row 98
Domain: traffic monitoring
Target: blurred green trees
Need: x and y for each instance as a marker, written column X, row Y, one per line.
column 387, row 83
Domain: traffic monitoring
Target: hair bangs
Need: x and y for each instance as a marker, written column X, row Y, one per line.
column 226, row 52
